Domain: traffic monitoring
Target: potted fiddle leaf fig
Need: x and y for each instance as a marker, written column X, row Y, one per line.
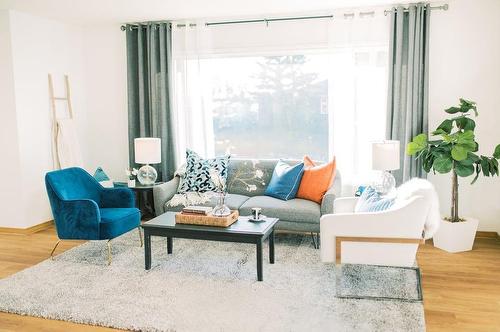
column 454, row 149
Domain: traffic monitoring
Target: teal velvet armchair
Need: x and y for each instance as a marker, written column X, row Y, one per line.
column 84, row 210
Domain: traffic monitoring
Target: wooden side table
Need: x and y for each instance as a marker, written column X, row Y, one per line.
column 144, row 198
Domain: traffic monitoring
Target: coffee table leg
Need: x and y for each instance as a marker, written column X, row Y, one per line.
column 170, row 245
column 147, row 250
column 259, row 260
column 271, row 247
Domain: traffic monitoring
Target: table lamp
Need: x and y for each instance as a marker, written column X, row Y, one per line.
column 385, row 157
column 147, row 151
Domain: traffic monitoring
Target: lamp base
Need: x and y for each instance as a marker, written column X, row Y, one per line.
column 147, row 175
column 385, row 183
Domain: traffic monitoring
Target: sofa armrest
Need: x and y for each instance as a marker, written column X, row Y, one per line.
column 117, row 198
column 345, row 204
column 330, row 196
column 163, row 193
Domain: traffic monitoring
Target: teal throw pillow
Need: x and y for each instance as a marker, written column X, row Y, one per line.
column 100, row 175
column 285, row 181
column 371, row 201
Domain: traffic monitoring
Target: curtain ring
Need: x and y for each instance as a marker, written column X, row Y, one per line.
column 267, row 22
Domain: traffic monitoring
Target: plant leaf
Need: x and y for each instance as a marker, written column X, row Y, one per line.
column 493, row 166
column 418, row 144
column 443, row 164
column 458, row 152
column 496, row 154
column 464, row 170
column 478, row 171
column 465, row 123
column 485, row 166
column 473, row 157
column 467, row 105
column 445, row 126
column 452, row 110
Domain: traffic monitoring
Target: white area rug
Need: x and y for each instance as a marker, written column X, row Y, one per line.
column 203, row 286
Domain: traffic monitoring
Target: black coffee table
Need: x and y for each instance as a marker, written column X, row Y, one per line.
column 242, row 231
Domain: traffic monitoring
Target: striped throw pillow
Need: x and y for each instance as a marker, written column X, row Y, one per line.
column 371, row 201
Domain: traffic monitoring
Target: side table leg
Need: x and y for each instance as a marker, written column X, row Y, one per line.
column 271, row 247
column 259, row 260
column 170, row 245
column 147, row 250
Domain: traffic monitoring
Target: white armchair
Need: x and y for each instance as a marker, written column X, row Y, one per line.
column 389, row 238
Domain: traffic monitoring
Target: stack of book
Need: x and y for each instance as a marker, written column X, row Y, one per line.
column 197, row 210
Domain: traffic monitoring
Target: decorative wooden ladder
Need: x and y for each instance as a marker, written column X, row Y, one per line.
column 53, row 99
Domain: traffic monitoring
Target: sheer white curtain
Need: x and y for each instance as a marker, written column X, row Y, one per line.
column 346, row 56
column 357, row 92
column 193, row 121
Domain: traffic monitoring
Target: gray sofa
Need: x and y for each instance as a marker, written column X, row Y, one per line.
column 246, row 183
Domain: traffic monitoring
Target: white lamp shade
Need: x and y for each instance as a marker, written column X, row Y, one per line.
column 385, row 155
column 147, row 150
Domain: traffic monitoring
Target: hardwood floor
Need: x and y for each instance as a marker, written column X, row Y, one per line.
column 461, row 291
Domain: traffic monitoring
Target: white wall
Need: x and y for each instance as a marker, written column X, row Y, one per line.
column 105, row 131
column 465, row 62
column 10, row 195
column 38, row 46
column 95, row 60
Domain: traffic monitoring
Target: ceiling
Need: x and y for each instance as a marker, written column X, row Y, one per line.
column 120, row 11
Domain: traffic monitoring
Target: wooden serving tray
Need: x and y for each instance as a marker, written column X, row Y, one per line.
column 208, row 220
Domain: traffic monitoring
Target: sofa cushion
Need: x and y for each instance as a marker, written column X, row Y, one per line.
column 372, row 201
column 296, row 210
column 197, row 177
column 316, row 180
column 250, row 177
column 285, row 181
column 116, row 221
column 233, row 201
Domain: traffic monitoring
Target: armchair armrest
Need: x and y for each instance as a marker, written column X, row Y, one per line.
column 117, row 198
column 77, row 219
column 345, row 204
column 402, row 225
column 163, row 193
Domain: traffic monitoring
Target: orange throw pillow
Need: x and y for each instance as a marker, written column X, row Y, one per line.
column 316, row 180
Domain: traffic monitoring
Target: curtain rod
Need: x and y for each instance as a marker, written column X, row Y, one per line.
column 442, row 7
column 267, row 20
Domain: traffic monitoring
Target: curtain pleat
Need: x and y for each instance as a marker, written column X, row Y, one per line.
column 149, row 108
column 407, row 102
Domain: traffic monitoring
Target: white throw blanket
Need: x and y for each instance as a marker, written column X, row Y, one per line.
column 421, row 187
column 68, row 148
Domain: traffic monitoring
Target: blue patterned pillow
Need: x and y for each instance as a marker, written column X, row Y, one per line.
column 197, row 176
column 371, row 201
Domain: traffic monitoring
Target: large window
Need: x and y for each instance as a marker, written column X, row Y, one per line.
column 268, row 106
column 285, row 90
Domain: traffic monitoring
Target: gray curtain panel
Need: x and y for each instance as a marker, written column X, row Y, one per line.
column 407, row 102
column 149, row 62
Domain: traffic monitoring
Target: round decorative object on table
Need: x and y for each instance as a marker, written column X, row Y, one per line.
column 261, row 218
column 147, row 175
column 221, row 209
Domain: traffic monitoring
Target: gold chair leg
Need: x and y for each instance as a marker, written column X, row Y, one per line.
column 54, row 249
column 140, row 235
column 109, row 252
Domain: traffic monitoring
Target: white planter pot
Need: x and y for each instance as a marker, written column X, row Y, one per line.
column 131, row 183
column 456, row 236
